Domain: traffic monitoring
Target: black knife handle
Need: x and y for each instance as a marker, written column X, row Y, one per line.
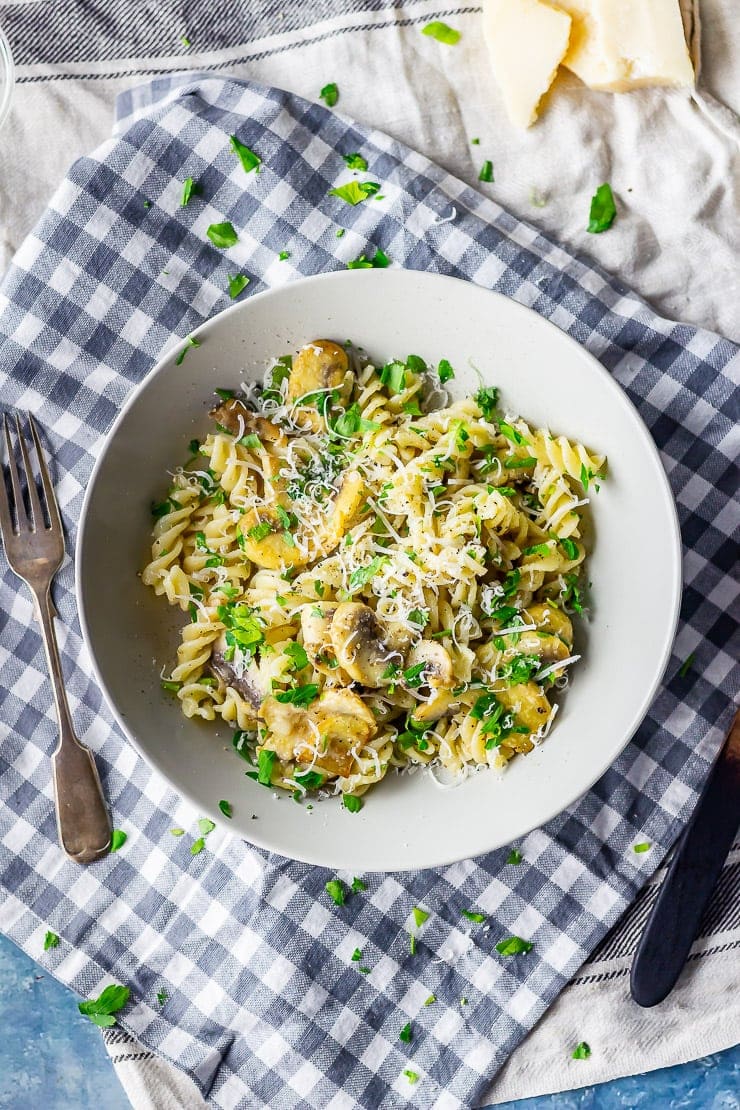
column 693, row 873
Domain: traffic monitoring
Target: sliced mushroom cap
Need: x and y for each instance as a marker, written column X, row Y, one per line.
column 322, row 364
column 240, row 420
column 345, row 509
column 358, row 642
column 323, row 734
column 528, row 704
column 550, row 619
column 316, row 629
column 249, row 682
column 274, row 550
column 550, row 648
column 438, row 675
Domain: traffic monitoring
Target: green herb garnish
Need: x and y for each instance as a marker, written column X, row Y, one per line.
column 412, row 1076
column 189, row 342
column 51, row 940
column 486, row 171
column 297, row 653
column 355, row 161
column 487, row 399
column 420, row 916
column 337, row 891
column 354, row 192
column 237, row 284
column 330, row 94
column 441, row 32
column 358, row 885
column 197, row 846
column 644, row 847
column 603, row 210
column 582, row 1051
column 512, row 946
column 265, row 762
column 352, row 803
column 205, row 826
column 405, row 1034
column 249, row 160
column 177, row 832
column 472, row 915
column 357, row 955
column 360, row 577
column 226, row 808
column 259, row 532
column 445, row 371
column 189, row 189
column 222, row 235
column 101, row 1010
column 687, row 665
column 514, row 857
column 117, row 839
column 431, row 1000
column 298, row 695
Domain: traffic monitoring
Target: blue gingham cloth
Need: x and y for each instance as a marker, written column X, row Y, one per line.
column 265, row 1006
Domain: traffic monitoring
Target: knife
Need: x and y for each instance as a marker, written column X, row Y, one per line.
column 691, row 877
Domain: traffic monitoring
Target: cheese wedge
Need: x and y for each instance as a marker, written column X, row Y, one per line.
column 527, row 41
column 624, row 44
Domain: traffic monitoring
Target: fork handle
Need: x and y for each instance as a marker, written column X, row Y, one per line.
column 82, row 816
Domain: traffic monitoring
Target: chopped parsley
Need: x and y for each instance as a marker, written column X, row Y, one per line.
column 265, row 762
column 51, row 940
column 644, row 847
column 519, row 464
column 309, row 780
column 354, row 192
column 512, row 946
column 582, row 1051
column 487, row 399
column 420, row 916
column 205, row 826
column 360, row 577
column 330, row 94
column 587, row 476
column 177, row 832
column 431, row 1000
column 298, row 695
column 393, row 375
column 445, row 371
column 226, row 808
column 379, row 261
column 259, row 532
column 222, row 235
column 355, row 161
column 283, row 255
column 405, row 1034
column 570, row 547
column 358, row 885
column 117, row 839
column 687, row 665
column 511, row 433
column 419, row 617
column 486, row 171
column 603, row 210
column 297, row 653
column 472, row 915
column 352, row 803
column 441, row 32
column 249, row 160
column 197, row 846
column 162, row 997
column 237, row 284
column 189, row 189
column 189, row 342
column 337, row 891
column 357, row 955
column 514, row 857
column 414, row 676
column 243, row 628
column 412, row 1076
column 101, row 1010
column 412, row 944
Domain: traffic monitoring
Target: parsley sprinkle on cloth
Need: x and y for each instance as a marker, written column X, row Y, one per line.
column 265, row 1006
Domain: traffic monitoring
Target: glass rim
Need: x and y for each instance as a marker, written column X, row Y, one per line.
column 7, row 77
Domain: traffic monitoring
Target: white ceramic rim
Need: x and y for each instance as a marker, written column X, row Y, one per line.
column 674, row 571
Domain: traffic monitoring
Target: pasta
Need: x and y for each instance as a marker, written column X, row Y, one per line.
column 375, row 577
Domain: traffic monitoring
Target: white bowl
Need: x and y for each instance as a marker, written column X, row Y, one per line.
column 408, row 821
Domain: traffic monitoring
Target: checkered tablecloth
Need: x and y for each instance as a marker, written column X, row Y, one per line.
column 265, row 1007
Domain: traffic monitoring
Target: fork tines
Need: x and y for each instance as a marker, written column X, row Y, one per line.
column 37, row 510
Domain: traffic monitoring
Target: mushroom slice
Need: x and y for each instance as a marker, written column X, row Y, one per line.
column 316, row 629
column 549, row 647
column 319, row 367
column 265, row 541
column 240, row 420
column 528, row 704
column 321, row 735
column 437, row 675
column 553, row 620
column 248, row 682
column 359, row 644
column 346, row 507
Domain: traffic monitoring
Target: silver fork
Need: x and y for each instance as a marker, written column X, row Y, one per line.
column 35, row 551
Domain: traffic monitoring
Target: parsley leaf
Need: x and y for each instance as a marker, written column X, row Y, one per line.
column 197, row 846
column 360, row 577
column 117, row 839
column 570, row 547
column 442, row 32
column 189, row 189
column 412, row 1076
column 222, row 235
column 51, row 940
column 189, row 342
column 687, row 665
column 162, row 997
column 298, row 695
column 354, row 192
column 405, row 1034
column 514, row 857
column 358, row 885
column 511, row 433
column 330, row 94
column 512, row 946
column 355, row 161
column 393, row 375
column 644, row 847
column 265, row 761
column 582, row 1051
column 487, row 399
column 249, row 160
column 352, row 803
column 357, row 955
column 379, row 261
column 101, row 1010
column 337, row 891
column 260, row 531
column 226, row 808
column 420, row 916
column 237, row 284
column 205, row 826
column 431, row 1000
column 445, row 371
column 603, row 210
column 297, row 653
column 486, row 171
column 471, row 915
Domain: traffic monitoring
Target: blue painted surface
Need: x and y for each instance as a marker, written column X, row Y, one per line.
column 51, row 1057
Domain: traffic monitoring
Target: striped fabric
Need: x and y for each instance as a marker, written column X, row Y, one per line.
column 265, row 1007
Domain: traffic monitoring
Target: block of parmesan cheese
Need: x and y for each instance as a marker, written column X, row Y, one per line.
column 623, row 44
column 526, row 40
